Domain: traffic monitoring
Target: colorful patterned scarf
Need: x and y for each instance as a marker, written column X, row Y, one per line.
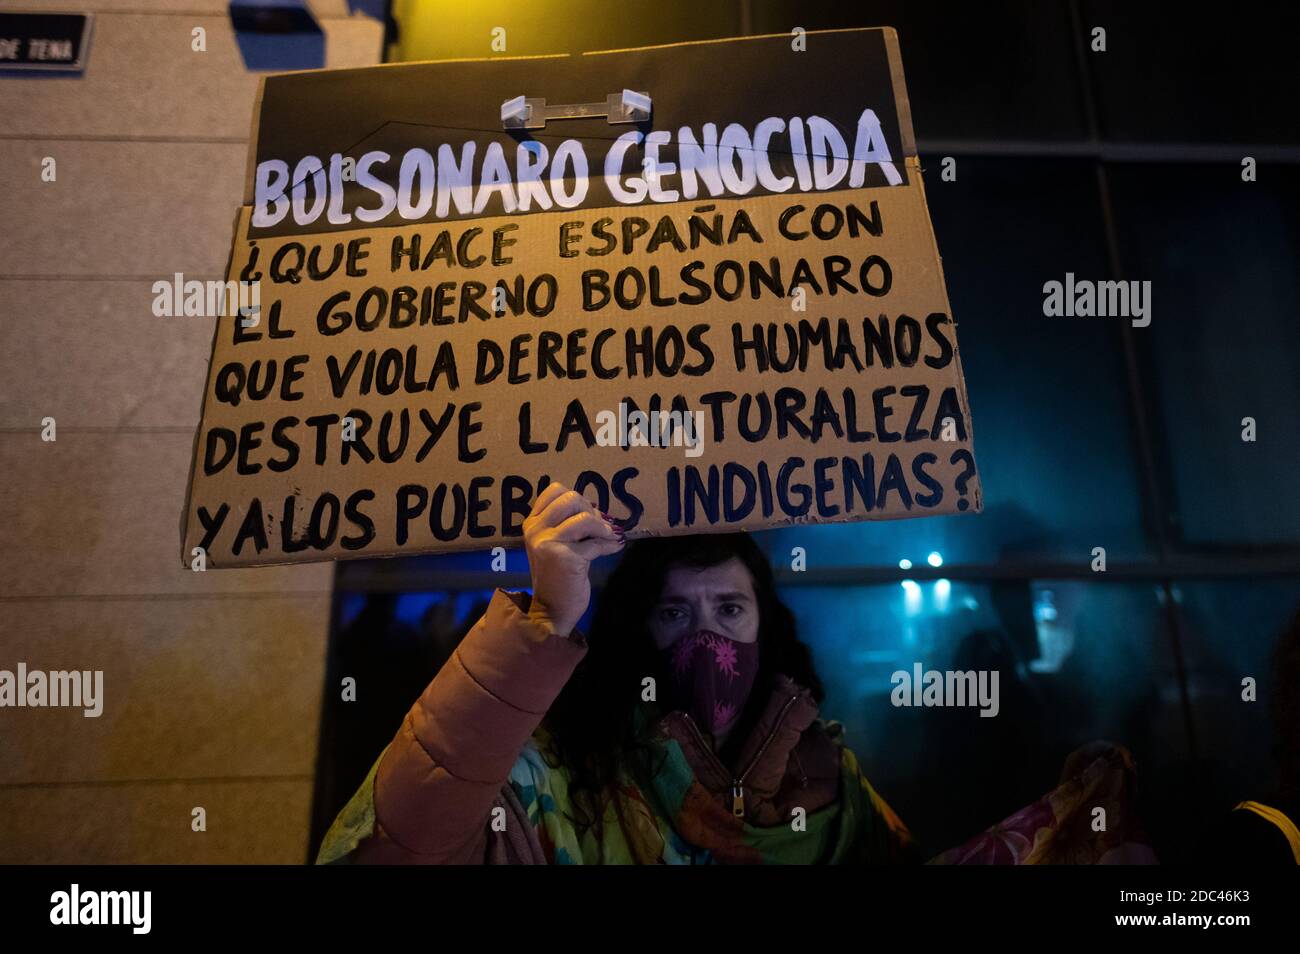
column 678, row 822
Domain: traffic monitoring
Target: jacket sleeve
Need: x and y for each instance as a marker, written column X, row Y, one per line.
column 433, row 788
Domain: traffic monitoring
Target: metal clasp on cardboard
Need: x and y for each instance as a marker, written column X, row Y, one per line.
column 523, row 112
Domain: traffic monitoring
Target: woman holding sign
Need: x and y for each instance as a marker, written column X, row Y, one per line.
column 683, row 729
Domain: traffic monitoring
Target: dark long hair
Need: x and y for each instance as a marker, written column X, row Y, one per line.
column 591, row 722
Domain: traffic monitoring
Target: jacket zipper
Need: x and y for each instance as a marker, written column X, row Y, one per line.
column 738, row 783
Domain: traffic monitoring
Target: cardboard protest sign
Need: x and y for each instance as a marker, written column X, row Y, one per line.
column 728, row 315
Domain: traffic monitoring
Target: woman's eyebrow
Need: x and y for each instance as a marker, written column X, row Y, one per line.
column 732, row 596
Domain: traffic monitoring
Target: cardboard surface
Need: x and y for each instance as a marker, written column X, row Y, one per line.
column 417, row 375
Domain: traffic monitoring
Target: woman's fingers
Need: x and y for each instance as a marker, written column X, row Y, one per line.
column 585, row 525
column 590, row 549
column 562, row 508
column 564, row 515
column 553, row 490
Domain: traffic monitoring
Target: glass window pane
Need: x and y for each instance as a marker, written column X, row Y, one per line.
column 975, row 71
column 1224, row 341
column 1171, row 76
column 1077, row 662
column 1229, row 629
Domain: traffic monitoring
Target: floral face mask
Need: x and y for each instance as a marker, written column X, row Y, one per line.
column 712, row 676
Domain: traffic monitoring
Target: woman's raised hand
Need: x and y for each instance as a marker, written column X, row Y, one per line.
column 562, row 535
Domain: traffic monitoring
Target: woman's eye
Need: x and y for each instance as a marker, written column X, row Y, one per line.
column 730, row 609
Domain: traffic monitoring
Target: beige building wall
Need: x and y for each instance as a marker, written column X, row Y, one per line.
column 212, row 681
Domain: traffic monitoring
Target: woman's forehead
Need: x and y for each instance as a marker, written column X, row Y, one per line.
column 729, row 580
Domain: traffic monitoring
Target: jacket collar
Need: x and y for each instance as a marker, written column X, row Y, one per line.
column 764, row 757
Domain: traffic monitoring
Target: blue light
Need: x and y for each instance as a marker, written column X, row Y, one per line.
column 911, row 597
column 934, row 559
column 942, row 594
column 905, row 564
